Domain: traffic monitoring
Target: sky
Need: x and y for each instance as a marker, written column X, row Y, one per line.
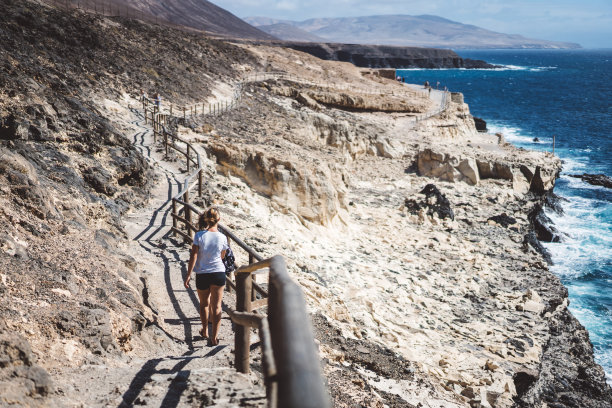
column 587, row 22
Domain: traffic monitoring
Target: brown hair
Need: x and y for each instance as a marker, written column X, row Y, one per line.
column 209, row 218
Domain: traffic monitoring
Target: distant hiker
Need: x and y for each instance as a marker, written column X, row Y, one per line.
column 399, row 78
column 438, row 85
column 143, row 96
column 445, row 89
column 426, row 84
column 158, row 101
column 208, row 249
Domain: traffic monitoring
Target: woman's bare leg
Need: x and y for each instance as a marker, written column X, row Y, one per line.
column 216, row 298
column 204, row 296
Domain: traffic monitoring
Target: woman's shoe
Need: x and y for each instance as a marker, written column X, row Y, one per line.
column 202, row 334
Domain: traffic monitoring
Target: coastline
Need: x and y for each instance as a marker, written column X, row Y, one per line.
column 411, row 307
column 445, row 278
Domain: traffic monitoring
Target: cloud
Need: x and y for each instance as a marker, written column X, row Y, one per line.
column 286, row 5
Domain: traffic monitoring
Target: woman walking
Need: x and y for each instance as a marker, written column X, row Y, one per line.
column 207, row 252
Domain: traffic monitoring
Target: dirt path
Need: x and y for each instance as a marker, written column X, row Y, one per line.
column 187, row 372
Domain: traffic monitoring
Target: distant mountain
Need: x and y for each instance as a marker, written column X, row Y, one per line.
column 198, row 14
column 404, row 30
column 290, row 32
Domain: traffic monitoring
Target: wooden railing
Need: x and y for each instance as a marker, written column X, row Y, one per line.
column 219, row 107
column 289, row 357
column 444, row 104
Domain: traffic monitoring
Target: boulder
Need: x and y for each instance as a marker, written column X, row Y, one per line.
column 469, row 169
column 504, row 220
column 481, row 124
column 447, row 167
column 595, row 179
column 435, row 203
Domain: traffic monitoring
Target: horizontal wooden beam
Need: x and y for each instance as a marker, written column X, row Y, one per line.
column 245, row 318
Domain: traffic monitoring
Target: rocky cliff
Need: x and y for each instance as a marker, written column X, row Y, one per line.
column 381, row 56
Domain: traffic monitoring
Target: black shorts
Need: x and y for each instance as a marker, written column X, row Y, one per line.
column 204, row 280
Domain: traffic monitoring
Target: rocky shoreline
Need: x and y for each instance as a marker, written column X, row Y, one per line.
column 385, row 56
column 420, row 295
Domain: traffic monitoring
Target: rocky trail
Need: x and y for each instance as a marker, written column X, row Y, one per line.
column 190, row 372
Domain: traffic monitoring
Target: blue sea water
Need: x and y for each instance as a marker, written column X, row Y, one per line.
column 567, row 94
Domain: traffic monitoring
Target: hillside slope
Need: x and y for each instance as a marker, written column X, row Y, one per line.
column 70, row 293
column 405, row 30
column 198, row 15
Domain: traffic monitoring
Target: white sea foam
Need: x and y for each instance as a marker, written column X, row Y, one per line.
column 588, row 238
column 518, row 136
column 500, row 68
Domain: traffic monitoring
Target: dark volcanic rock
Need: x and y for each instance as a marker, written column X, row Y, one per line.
column 100, row 180
column 537, row 184
column 384, row 56
column 568, row 375
column 503, row 220
column 542, row 225
column 595, row 179
column 531, row 239
column 435, row 202
column 481, row 124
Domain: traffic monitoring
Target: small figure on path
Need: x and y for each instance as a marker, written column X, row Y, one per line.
column 438, row 85
column 426, row 84
column 158, row 101
column 143, row 95
column 208, row 250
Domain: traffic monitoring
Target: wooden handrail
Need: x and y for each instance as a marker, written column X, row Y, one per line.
column 297, row 380
column 254, row 266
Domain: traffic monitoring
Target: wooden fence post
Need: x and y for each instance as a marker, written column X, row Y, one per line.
column 166, row 142
column 188, row 161
column 187, row 213
column 184, row 112
column 174, row 220
column 242, row 341
column 200, row 177
column 253, row 292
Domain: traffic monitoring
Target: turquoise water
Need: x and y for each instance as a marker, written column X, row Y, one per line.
column 567, row 94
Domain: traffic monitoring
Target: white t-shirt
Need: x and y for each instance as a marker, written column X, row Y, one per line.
column 210, row 244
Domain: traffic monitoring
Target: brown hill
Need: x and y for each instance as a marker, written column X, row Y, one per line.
column 195, row 14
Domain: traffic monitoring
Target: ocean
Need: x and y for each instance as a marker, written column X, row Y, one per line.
column 568, row 94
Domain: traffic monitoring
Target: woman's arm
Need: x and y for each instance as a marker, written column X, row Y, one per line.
column 192, row 260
